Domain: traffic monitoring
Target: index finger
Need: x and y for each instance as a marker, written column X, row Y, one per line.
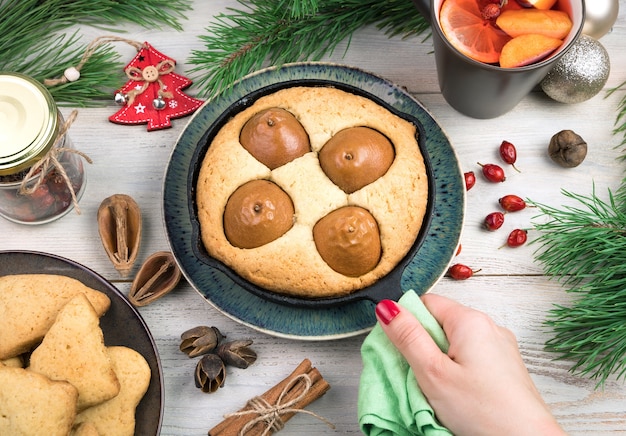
column 411, row 338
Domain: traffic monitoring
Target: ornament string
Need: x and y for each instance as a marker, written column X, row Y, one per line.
column 272, row 414
column 149, row 75
column 51, row 158
column 73, row 73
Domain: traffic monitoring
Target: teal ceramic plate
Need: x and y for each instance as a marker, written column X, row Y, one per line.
column 439, row 240
column 121, row 325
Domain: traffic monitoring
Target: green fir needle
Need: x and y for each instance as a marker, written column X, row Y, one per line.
column 620, row 121
column 273, row 32
column 584, row 246
column 33, row 42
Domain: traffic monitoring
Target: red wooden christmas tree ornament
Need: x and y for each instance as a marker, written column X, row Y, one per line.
column 153, row 95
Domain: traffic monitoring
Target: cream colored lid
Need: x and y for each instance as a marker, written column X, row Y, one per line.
column 28, row 122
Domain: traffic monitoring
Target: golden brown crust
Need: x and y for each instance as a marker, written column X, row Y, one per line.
column 32, row 404
column 73, row 350
column 29, row 304
column 116, row 417
column 291, row 264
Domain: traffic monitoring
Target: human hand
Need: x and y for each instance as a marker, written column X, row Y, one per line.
column 481, row 387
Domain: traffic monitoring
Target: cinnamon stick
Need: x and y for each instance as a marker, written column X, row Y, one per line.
column 305, row 382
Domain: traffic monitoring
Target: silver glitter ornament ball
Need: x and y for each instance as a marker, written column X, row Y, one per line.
column 580, row 74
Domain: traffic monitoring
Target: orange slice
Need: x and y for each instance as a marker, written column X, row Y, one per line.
column 552, row 23
column 463, row 25
column 527, row 49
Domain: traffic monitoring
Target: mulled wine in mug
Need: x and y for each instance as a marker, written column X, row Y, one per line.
column 490, row 54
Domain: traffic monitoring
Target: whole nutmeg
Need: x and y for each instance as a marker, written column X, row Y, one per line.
column 567, row 149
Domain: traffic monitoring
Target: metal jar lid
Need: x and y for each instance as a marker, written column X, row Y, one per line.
column 28, row 122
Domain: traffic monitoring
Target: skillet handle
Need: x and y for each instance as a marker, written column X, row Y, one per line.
column 390, row 290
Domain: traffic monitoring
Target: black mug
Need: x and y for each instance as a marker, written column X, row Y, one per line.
column 481, row 90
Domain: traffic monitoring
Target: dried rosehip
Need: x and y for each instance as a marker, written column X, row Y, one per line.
column 512, row 203
column 458, row 271
column 494, row 221
column 517, row 237
column 508, row 153
column 491, row 11
column 492, row 172
column 43, row 198
column 470, row 180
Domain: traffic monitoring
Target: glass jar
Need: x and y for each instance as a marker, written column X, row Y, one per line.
column 30, row 124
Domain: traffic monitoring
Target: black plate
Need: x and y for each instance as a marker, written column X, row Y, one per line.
column 121, row 325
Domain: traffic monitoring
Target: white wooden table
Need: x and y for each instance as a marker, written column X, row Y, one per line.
column 510, row 287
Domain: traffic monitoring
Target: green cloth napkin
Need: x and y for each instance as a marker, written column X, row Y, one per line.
column 390, row 401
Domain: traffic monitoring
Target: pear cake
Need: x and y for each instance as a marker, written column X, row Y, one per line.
column 312, row 192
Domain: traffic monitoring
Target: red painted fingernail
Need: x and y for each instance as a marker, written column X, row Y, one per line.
column 387, row 310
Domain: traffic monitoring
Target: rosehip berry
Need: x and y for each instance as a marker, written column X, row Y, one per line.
column 470, row 180
column 459, row 271
column 508, row 153
column 491, row 11
column 517, row 237
column 458, row 250
column 43, row 199
column 492, row 172
column 494, row 221
column 512, row 203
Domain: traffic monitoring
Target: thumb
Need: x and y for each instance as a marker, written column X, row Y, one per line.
column 412, row 340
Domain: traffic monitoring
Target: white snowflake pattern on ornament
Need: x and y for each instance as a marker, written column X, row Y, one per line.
column 173, row 104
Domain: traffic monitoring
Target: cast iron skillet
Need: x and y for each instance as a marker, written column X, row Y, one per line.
column 388, row 287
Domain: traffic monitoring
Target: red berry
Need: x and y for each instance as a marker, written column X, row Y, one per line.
column 491, row 11
column 494, row 221
column 470, row 180
column 458, row 250
column 43, row 199
column 517, row 237
column 508, row 153
column 512, row 203
column 459, row 271
column 492, row 172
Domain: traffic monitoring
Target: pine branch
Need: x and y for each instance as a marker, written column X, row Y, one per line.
column 620, row 121
column 32, row 41
column 277, row 32
column 94, row 88
column 585, row 248
column 300, row 8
